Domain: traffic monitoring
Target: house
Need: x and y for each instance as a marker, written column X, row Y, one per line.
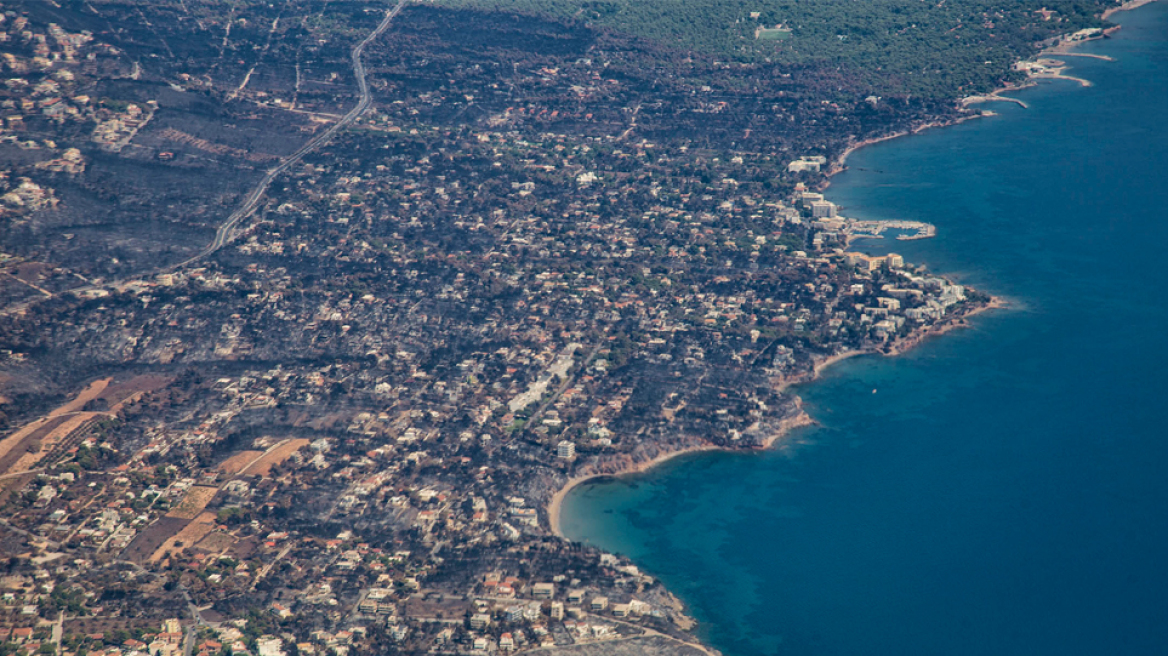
column 566, row 450
column 480, row 621
column 270, row 646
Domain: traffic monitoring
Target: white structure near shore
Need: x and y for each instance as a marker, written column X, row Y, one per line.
column 566, row 450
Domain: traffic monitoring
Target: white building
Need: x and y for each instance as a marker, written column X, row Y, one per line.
column 813, row 163
column 823, row 209
column 566, row 450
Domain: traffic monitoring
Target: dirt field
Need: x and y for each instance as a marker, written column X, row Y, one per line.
column 216, row 542
column 125, row 392
column 274, row 456
column 15, row 446
column 191, row 534
column 52, row 440
column 88, row 394
column 109, row 624
column 24, row 449
column 194, row 502
column 148, row 541
column 20, row 439
column 238, row 462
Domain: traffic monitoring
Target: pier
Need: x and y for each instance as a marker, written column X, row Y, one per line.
column 875, row 229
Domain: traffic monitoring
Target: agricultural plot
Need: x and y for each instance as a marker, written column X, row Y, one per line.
column 193, row 503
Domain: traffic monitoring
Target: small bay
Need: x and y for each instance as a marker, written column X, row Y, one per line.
column 1002, row 489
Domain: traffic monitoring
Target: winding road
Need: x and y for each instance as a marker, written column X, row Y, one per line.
column 249, row 205
column 252, row 201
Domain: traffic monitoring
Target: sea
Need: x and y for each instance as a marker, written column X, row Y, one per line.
column 1001, row 489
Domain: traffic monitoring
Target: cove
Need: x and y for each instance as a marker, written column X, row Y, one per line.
column 1002, row 489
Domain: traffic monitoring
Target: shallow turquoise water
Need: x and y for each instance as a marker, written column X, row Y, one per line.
column 1005, row 489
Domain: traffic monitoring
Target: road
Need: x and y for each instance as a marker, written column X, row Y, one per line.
column 192, row 630
column 33, row 537
column 252, row 201
column 563, row 386
column 58, row 629
column 22, row 473
column 267, row 568
column 223, row 234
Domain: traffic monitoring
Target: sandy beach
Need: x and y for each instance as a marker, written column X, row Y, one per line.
column 784, row 427
column 557, row 501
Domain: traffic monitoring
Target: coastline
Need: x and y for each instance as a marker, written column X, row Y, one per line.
column 784, row 427
column 801, row 418
column 839, row 164
column 555, row 505
column 1061, row 48
column 1130, row 4
column 948, row 324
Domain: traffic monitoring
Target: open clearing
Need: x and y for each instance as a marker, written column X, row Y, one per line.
column 27, row 446
column 194, row 502
column 238, row 462
column 190, row 534
column 274, row 456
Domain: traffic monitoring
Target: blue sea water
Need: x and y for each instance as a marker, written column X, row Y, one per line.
column 1002, row 489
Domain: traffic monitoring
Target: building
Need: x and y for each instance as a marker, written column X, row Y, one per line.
column 873, row 262
column 862, row 261
column 823, row 209
column 270, row 646
column 638, row 607
column 566, row 450
column 813, row 163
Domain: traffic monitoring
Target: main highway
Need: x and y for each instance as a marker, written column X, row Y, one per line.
column 252, row 201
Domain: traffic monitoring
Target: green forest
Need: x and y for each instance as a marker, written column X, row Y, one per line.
column 938, row 48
